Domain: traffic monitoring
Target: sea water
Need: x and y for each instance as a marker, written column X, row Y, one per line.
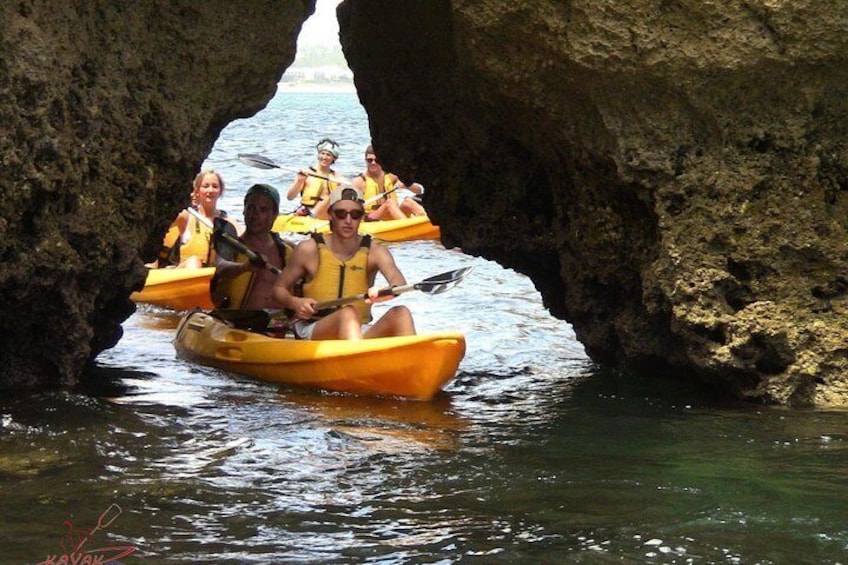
column 532, row 454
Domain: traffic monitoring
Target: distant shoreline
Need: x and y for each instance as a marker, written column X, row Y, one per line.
column 316, row 87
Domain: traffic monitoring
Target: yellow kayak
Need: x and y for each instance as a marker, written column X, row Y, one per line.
column 179, row 289
column 407, row 229
column 414, row 367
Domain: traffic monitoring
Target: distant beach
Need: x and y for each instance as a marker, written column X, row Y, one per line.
column 302, row 86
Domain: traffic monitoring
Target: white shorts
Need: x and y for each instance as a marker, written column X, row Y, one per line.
column 303, row 328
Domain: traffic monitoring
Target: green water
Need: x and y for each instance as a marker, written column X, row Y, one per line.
column 528, row 467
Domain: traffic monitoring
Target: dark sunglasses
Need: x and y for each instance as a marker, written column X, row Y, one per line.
column 354, row 214
column 371, row 159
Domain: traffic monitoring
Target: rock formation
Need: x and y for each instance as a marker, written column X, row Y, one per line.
column 106, row 109
column 672, row 174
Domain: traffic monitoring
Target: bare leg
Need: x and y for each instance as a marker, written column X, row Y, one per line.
column 397, row 321
column 388, row 210
column 191, row 262
column 412, row 208
column 320, row 209
column 344, row 323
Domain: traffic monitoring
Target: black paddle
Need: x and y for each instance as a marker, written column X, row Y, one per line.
column 262, row 162
column 220, row 232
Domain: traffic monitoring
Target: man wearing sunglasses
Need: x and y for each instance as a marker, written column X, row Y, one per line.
column 375, row 181
column 339, row 264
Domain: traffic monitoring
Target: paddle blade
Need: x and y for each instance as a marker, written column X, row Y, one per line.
column 220, row 240
column 258, row 161
column 438, row 284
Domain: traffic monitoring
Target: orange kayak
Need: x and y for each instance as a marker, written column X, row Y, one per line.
column 414, row 367
column 178, row 289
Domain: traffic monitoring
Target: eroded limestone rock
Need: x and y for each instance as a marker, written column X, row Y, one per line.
column 671, row 174
column 106, row 109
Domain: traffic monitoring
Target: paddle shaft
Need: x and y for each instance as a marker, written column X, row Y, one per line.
column 431, row 285
column 391, row 291
column 251, row 254
column 262, row 162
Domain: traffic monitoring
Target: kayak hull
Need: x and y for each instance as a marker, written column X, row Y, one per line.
column 407, row 229
column 414, row 367
column 178, row 289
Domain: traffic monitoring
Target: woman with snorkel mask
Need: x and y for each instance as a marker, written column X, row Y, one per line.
column 315, row 184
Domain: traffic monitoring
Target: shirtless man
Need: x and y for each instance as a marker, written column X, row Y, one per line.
column 239, row 282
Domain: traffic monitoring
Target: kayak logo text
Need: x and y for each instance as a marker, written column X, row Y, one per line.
column 74, row 543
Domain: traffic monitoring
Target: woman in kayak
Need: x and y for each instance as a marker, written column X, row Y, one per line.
column 375, row 181
column 315, row 184
column 339, row 264
column 187, row 241
column 240, row 283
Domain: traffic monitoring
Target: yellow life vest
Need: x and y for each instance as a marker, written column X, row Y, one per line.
column 176, row 248
column 233, row 293
column 373, row 189
column 336, row 278
column 313, row 187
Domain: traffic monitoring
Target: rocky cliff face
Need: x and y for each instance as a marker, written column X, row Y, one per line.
column 671, row 173
column 106, row 111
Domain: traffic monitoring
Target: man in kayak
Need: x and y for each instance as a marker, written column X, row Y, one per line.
column 240, row 283
column 339, row 264
column 375, row 181
column 314, row 184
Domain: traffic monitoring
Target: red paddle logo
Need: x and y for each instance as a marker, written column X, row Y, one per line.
column 74, row 551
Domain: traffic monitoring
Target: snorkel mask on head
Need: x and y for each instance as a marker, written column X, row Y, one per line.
column 329, row 146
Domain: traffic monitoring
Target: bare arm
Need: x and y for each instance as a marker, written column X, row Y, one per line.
column 297, row 186
column 301, row 264
column 414, row 187
column 383, row 261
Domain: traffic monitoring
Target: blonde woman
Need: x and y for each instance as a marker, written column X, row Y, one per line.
column 187, row 241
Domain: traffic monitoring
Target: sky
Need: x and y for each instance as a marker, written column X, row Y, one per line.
column 321, row 28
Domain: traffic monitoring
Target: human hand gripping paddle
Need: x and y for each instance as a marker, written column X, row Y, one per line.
column 219, row 230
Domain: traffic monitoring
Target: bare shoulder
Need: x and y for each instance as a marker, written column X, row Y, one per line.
column 306, row 246
column 380, row 253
